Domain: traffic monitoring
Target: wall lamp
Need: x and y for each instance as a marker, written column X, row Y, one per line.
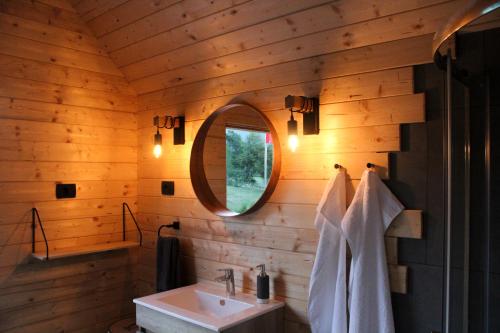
column 168, row 122
column 309, row 107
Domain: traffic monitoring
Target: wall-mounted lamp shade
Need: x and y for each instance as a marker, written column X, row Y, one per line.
column 157, row 145
column 293, row 139
column 168, row 122
column 309, row 108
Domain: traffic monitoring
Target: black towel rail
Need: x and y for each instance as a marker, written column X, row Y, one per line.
column 176, row 225
column 125, row 205
column 34, row 216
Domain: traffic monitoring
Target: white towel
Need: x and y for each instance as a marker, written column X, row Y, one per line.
column 364, row 224
column 327, row 290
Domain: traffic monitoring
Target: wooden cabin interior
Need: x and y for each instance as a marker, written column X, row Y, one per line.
column 123, row 122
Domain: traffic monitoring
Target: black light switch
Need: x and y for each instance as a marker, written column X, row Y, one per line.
column 167, row 187
column 65, row 191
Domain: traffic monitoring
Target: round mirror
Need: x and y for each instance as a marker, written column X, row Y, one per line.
column 235, row 160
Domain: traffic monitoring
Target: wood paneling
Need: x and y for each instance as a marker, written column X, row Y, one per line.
column 240, row 16
column 44, row 13
column 18, row 109
column 67, row 114
column 356, row 56
column 41, row 32
column 244, row 57
column 34, row 50
column 173, row 14
column 22, row 68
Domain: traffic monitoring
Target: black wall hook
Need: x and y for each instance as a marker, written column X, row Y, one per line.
column 370, row 165
column 337, row 166
column 176, row 225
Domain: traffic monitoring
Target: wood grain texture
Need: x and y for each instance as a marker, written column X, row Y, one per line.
column 364, row 59
column 383, row 29
column 83, row 250
column 34, row 70
column 247, row 13
column 44, row 13
column 218, row 41
column 67, row 115
column 271, row 322
column 166, row 16
column 347, row 88
column 358, row 64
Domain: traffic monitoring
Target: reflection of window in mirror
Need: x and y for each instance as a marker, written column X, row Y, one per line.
column 234, row 163
column 249, row 160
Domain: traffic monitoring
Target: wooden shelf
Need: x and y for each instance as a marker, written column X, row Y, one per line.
column 77, row 251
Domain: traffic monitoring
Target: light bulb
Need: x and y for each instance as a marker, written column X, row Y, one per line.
column 293, row 139
column 157, row 148
column 157, row 151
column 293, row 142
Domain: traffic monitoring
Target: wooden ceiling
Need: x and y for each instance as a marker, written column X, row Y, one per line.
column 161, row 44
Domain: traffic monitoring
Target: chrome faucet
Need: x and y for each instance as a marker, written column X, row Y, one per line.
column 228, row 277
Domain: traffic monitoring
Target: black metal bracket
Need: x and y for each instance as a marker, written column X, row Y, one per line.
column 34, row 216
column 176, row 225
column 175, row 123
column 125, row 205
column 309, row 108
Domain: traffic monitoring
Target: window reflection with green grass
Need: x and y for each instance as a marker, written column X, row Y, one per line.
column 249, row 160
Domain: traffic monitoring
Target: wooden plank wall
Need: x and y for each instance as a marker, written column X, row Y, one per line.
column 191, row 57
column 67, row 114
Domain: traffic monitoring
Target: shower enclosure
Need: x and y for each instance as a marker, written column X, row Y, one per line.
column 467, row 48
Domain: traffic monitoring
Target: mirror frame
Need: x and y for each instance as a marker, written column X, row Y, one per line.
column 198, row 177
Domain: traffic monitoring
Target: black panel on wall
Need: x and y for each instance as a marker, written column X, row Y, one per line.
column 479, row 53
column 417, row 180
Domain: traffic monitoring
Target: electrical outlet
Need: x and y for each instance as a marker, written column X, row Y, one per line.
column 64, row 191
column 167, row 188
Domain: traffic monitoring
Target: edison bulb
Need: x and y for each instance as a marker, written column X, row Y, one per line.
column 157, row 151
column 293, row 142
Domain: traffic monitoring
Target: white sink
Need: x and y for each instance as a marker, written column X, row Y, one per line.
column 204, row 303
column 207, row 306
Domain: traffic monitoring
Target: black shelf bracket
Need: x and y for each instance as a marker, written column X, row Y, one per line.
column 125, row 205
column 34, row 217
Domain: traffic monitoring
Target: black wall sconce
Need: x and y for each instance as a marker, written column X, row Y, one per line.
column 309, row 107
column 168, row 122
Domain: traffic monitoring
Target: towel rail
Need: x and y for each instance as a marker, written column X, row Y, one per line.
column 125, row 205
column 34, row 216
column 176, row 225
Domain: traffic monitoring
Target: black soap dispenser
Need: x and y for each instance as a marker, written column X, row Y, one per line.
column 262, row 285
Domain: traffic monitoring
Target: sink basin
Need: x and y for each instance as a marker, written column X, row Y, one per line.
column 207, row 306
column 204, row 303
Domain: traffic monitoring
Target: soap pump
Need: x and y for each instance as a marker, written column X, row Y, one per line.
column 262, row 285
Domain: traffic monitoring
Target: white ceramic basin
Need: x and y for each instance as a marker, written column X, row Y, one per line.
column 204, row 303
column 207, row 306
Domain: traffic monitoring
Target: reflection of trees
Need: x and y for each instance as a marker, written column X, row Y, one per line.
column 245, row 158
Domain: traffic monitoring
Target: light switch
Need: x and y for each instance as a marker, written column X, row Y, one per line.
column 167, row 187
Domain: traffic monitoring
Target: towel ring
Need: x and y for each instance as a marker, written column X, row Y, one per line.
column 176, row 225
